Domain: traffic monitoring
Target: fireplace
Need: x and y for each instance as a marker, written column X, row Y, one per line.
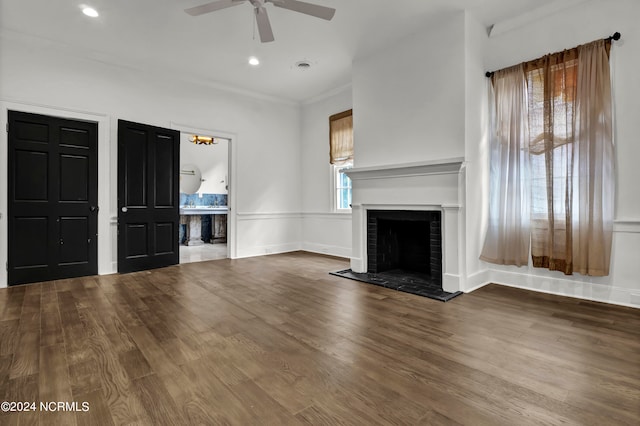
column 404, row 252
column 405, row 241
column 433, row 191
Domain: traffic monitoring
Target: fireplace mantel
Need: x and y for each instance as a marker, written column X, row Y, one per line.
column 430, row 185
column 423, row 168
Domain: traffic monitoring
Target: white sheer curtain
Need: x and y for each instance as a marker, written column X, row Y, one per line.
column 572, row 160
column 508, row 233
column 593, row 225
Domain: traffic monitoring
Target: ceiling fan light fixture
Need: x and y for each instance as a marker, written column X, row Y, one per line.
column 203, row 140
column 254, row 61
column 261, row 15
column 89, row 11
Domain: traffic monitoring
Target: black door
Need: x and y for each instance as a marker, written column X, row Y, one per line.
column 148, row 196
column 53, row 198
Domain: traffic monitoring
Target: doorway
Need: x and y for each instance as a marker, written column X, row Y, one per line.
column 204, row 197
column 52, row 198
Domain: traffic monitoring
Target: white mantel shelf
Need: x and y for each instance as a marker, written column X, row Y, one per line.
column 423, row 168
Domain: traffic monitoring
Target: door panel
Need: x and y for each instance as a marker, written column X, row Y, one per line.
column 53, row 195
column 31, row 250
column 31, row 174
column 164, row 237
column 74, row 233
column 164, row 159
column 75, row 138
column 148, row 195
column 74, row 178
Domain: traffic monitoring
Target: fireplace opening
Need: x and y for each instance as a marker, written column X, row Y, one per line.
column 405, row 242
column 402, row 245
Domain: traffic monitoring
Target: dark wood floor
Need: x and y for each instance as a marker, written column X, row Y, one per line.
column 277, row 340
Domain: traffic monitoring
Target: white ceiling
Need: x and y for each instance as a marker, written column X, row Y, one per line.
column 213, row 49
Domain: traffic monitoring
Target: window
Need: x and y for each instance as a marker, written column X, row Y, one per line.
column 556, row 197
column 342, row 185
column 341, row 158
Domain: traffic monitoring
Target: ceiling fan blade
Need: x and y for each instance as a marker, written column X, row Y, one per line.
column 264, row 26
column 306, row 8
column 212, row 7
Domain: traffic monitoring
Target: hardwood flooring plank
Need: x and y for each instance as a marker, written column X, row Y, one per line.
column 54, row 385
column 135, row 364
column 84, row 378
column 159, row 405
column 98, row 413
column 25, row 389
column 156, row 357
column 26, row 358
column 9, row 336
column 117, row 390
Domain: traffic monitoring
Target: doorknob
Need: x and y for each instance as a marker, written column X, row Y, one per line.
column 94, row 208
column 124, row 210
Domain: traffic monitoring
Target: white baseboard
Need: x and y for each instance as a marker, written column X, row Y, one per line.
column 569, row 288
column 451, row 282
column 477, row 280
column 327, row 249
column 267, row 249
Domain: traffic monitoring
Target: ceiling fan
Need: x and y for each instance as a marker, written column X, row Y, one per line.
column 262, row 19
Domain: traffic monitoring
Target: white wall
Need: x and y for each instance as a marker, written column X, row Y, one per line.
column 409, row 99
column 581, row 24
column 266, row 146
column 212, row 160
column 476, row 171
column 323, row 231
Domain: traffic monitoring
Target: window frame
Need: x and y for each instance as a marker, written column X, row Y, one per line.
column 335, row 189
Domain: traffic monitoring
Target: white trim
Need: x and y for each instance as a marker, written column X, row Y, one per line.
column 346, row 215
column 477, row 280
column 268, row 249
column 631, row 226
column 327, row 249
column 581, row 290
column 334, row 170
column 268, row 215
column 423, row 168
column 163, row 74
column 328, row 94
column 534, row 15
column 105, row 150
column 232, row 227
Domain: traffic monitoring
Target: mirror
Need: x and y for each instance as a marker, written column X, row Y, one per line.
column 190, row 178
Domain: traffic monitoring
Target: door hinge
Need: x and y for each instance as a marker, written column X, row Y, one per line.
column 7, row 127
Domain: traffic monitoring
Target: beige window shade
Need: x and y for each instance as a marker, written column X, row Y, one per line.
column 341, row 137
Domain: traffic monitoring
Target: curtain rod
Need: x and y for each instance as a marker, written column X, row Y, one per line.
column 615, row 36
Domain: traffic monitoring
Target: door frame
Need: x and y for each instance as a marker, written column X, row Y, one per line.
column 231, row 180
column 105, row 230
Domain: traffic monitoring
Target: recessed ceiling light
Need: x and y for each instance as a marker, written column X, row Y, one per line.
column 303, row 65
column 89, row 11
column 254, row 61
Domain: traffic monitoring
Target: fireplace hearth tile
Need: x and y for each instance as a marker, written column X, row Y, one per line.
column 401, row 280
